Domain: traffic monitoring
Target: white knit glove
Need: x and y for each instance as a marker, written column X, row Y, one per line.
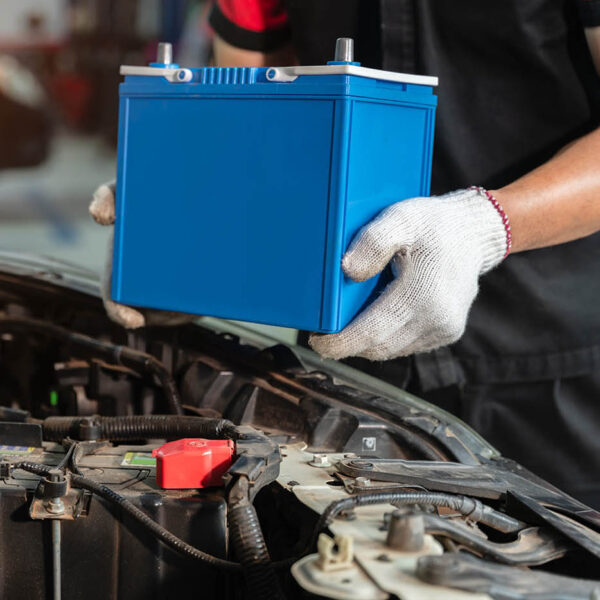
column 439, row 246
column 102, row 208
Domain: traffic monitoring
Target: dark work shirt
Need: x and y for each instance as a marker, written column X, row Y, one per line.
column 516, row 84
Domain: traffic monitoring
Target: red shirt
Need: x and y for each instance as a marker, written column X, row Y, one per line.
column 251, row 24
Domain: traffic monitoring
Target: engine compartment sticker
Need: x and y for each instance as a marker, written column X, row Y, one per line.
column 138, row 459
column 12, row 450
column 369, row 444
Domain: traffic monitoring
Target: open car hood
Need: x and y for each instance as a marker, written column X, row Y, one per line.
column 334, row 434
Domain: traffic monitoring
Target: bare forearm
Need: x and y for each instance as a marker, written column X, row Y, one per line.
column 227, row 55
column 559, row 201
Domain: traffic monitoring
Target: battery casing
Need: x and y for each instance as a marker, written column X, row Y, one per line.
column 237, row 196
column 104, row 552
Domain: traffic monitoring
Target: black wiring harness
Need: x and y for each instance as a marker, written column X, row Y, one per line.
column 81, row 435
column 166, row 537
column 136, row 427
column 258, row 460
column 469, row 507
column 246, row 534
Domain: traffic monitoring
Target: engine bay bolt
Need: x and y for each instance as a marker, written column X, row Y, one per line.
column 55, row 506
column 320, row 460
column 55, row 484
column 406, row 532
column 363, row 481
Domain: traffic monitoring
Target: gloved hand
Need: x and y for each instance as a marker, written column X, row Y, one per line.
column 439, row 246
column 102, row 208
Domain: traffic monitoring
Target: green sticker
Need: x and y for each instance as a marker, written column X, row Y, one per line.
column 138, row 459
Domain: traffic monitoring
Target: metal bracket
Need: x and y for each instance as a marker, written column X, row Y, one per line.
column 74, row 507
column 465, row 572
column 533, row 546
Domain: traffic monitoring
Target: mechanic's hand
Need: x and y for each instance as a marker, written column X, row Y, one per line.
column 439, row 246
column 102, row 208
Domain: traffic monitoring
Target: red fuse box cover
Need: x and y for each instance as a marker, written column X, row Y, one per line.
column 192, row 463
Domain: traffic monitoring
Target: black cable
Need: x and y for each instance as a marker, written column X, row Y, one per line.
column 77, row 450
column 93, row 348
column 67, row 457
column 166, row 537
column 135, row 427
column 468, row 507
column 248, row 544
column 78, row 454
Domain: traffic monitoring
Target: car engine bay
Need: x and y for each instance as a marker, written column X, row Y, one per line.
column 324, row 482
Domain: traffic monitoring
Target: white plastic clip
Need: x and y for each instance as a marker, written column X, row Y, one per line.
column 275, row 74
column 171, row 75
column 332, row 560
column 292, row 73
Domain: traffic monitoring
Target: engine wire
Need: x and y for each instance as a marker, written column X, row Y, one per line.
column 165, row 536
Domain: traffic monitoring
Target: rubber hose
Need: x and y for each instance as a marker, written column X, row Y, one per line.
column 166, row 537
column 137, row 427
column 250, row 549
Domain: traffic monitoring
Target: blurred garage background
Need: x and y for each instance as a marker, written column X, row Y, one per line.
column 59, row 76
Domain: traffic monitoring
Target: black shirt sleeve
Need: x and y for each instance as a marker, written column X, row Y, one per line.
column 590, row 12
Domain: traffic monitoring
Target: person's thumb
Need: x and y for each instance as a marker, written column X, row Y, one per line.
column 375, row 245
column 102, row 207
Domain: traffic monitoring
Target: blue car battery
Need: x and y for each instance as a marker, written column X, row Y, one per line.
column 239, row 189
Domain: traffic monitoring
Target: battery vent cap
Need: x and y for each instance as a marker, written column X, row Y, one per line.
column 192, row 463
